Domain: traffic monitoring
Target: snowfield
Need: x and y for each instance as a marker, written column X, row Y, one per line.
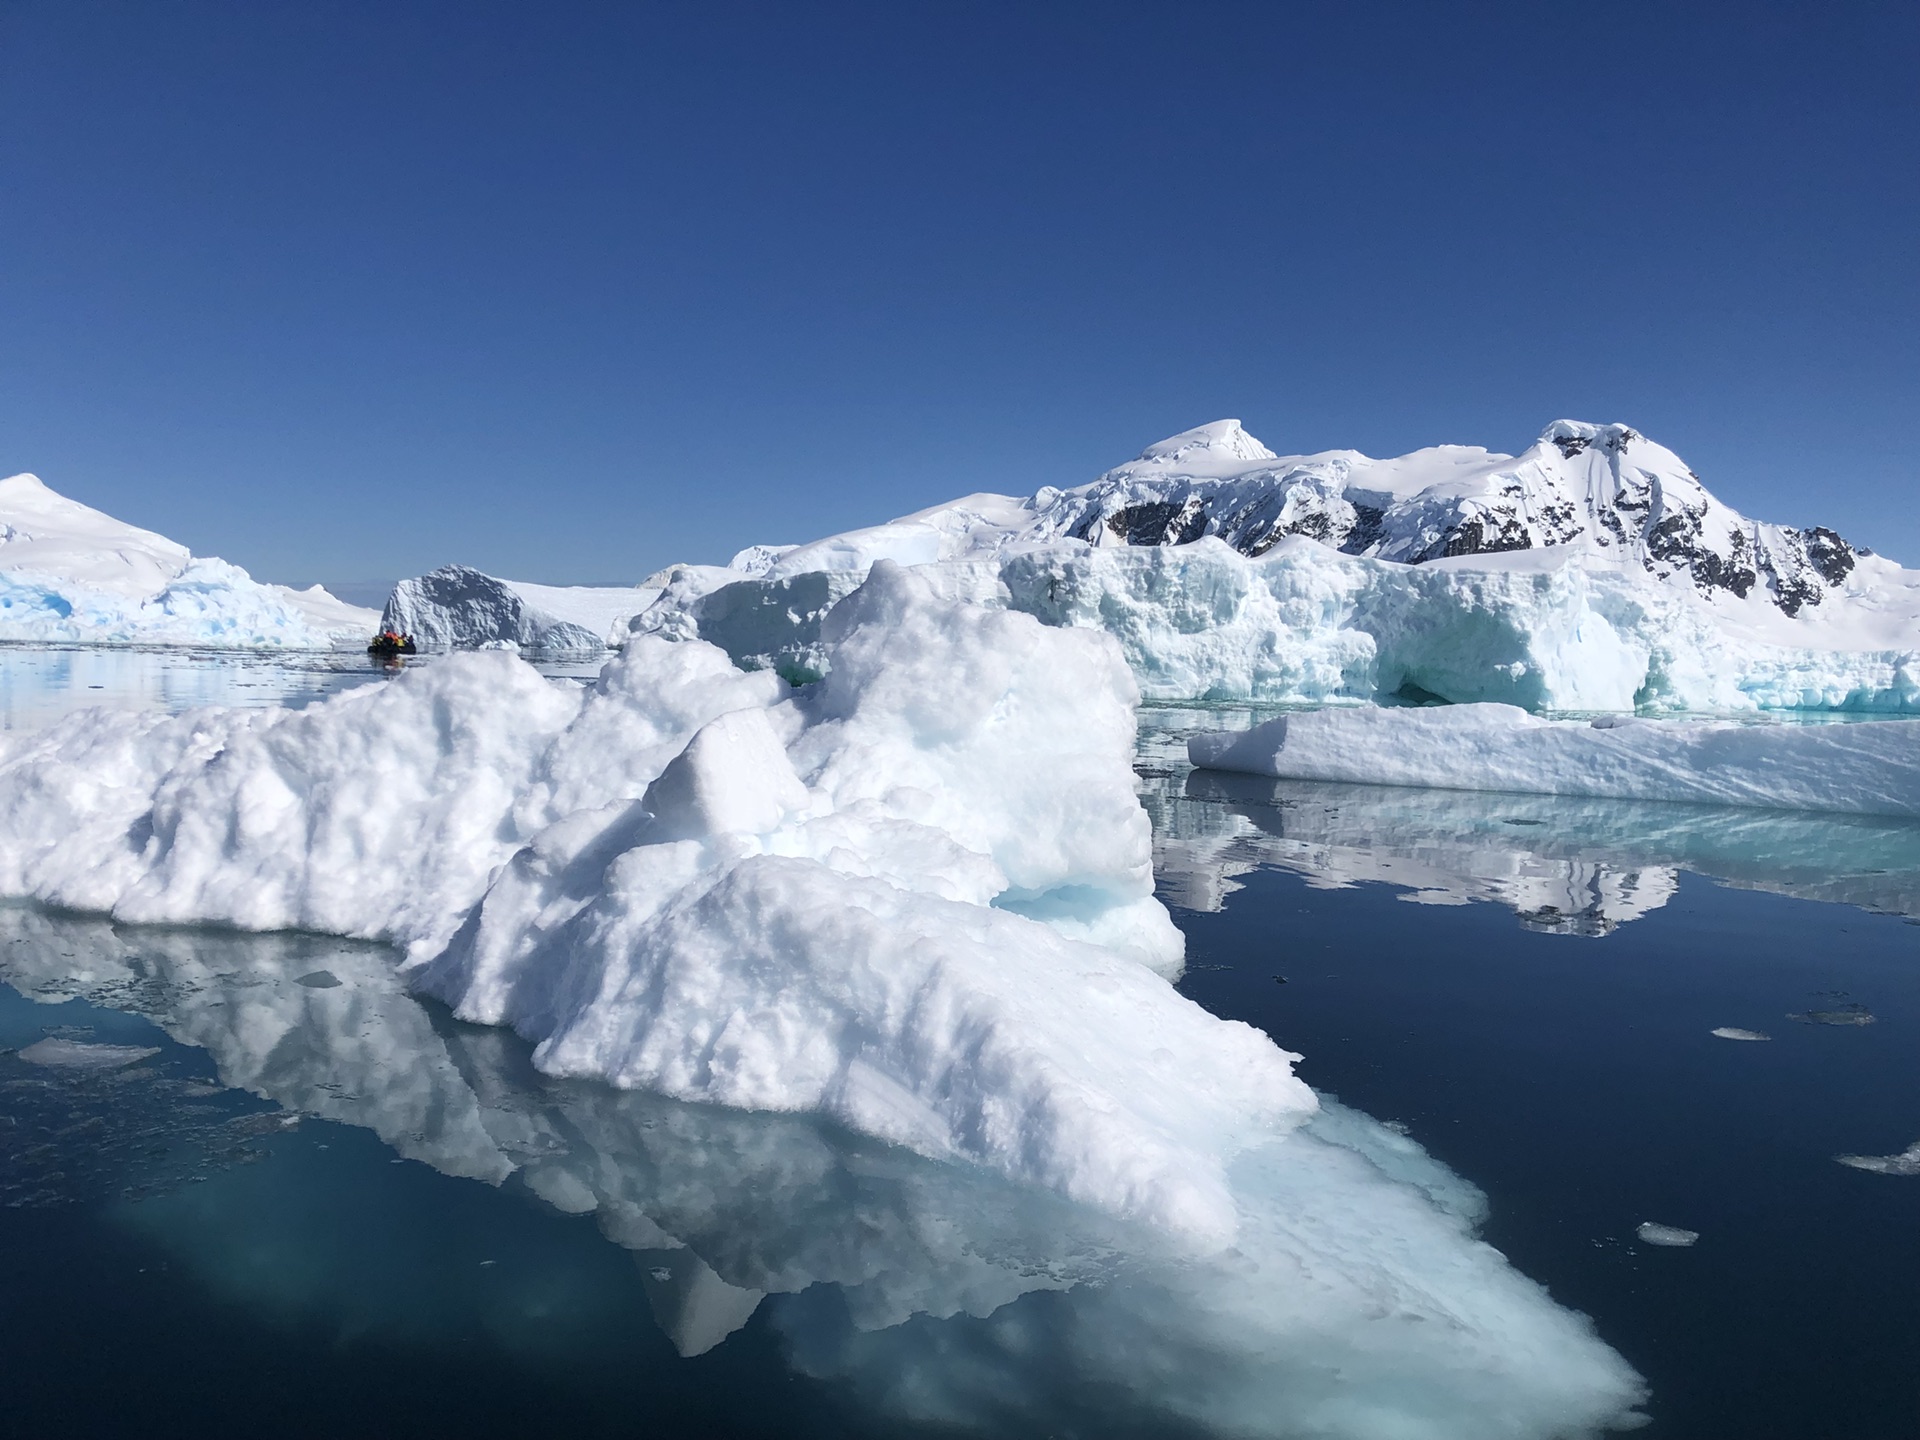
column 1592, row 572
column 69, row 574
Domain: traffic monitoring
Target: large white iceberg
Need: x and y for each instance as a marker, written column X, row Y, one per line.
column 1592, row 572
column 69, row 574
column 1859, row 769
column 916, row 897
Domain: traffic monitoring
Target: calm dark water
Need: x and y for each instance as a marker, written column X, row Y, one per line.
column 322, row 1208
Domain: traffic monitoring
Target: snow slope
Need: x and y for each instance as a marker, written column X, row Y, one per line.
column 457, row 607
column 71, row 574
column 1592, row 572
column 1843, row 769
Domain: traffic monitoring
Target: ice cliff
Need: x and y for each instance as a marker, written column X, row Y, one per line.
column 70, row 574
column 1593, row 572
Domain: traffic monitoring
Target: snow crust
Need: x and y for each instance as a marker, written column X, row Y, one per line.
column 916, row 897
column 1867, row 769
column 457, row 607
column 70, row 574
column 1593, row 572
column 1355, row 1303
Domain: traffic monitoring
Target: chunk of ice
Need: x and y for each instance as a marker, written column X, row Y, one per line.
column 1734, row 1032
column 1907, row 1162
column 1652, row 1233
column 58, row 1054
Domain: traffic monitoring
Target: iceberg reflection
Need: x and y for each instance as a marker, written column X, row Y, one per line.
column 1356, row 1300
column 1563, row 865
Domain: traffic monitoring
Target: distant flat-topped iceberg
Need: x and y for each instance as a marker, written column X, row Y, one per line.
column 1592, row 572
column 1862, row 769
column 70, row 574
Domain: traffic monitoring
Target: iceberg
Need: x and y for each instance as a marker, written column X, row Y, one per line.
column 916, row 897
column 1860, row 769
column 460, row 608
column 71, row 575
column 1593, row 572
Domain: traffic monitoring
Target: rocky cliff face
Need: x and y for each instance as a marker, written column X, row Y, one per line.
column 1606, row 485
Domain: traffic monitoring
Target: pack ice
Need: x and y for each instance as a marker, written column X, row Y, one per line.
column 1592, row 572
column 1863, row 769
column 68, row 573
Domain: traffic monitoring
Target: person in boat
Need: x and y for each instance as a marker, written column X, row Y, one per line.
column 391, row 642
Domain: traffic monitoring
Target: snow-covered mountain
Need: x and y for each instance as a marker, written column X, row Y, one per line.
column 1593, row 572
column 69, row 573
column 1605, row 484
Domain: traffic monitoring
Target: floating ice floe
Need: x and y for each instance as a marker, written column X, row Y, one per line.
column 1907, row 1162
column 1734, row 1032
column 1837, row 1015
column 56, row 1053
column 1592, row 572
column 69, row 574
column 1652, row 1233
column 1846, row 769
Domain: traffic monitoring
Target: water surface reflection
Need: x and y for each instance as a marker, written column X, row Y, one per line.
column 1356, row 1302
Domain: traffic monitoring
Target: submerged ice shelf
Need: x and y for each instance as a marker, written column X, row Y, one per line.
column 1355, row 1302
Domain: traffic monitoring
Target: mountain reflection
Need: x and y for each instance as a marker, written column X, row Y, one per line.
column 1565, row 866
column 1356, row 1302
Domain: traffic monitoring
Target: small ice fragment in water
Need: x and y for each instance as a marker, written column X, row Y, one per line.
column 319, row 980
column 1843, row 1015
column 75, row 1055
column 1653, row 1234
column 1734, row 1032
column 1907, row 1162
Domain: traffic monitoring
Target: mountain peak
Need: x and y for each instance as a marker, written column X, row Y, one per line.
column 1220, row 440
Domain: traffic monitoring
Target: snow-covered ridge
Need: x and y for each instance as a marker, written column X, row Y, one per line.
column 69, row 573
column 1593, row 572
column 1605, row 485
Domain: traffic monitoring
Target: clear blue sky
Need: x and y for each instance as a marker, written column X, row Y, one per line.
column 570, row 291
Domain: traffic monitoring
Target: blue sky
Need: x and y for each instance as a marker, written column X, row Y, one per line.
column 345, row 291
